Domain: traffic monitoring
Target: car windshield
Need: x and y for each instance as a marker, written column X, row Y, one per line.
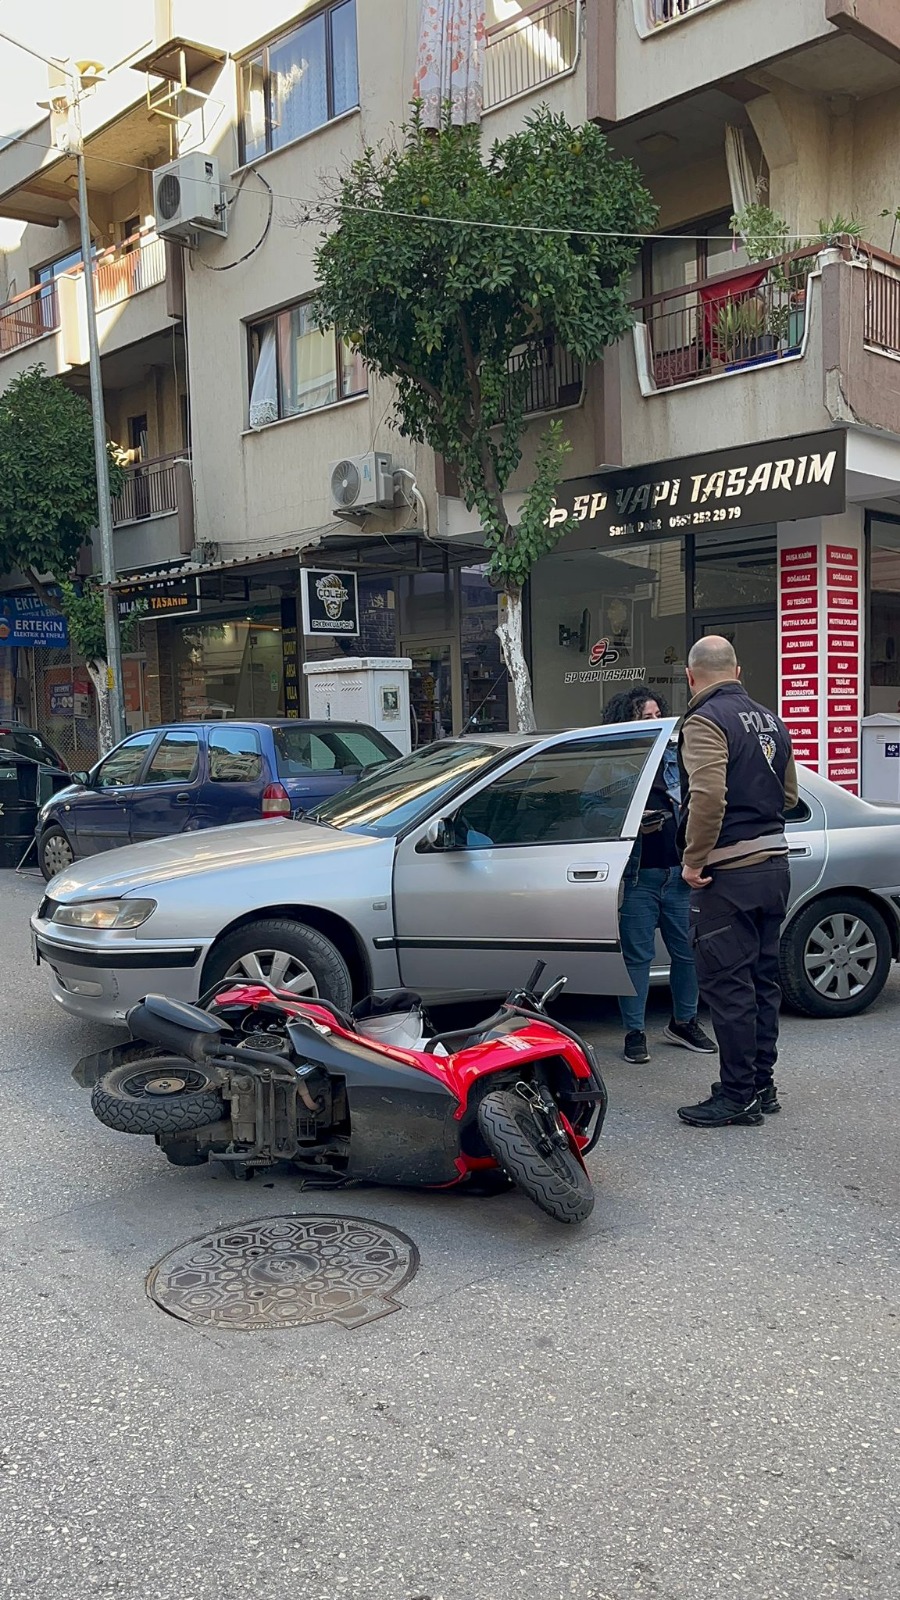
column 397, row 796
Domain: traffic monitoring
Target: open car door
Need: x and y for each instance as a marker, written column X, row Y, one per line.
column 531, row 869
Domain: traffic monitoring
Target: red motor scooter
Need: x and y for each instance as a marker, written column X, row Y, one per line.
column 253, row 1076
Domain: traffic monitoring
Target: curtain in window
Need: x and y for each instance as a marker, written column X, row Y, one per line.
column 298, row 83
column 450, row 60
column 306, row 360
column 744, row 187
column 264, row 394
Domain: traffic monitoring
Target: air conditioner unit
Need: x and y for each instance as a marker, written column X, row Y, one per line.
column 362, row 483
column 187, row 197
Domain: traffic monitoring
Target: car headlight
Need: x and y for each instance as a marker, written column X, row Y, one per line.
column 105, row 913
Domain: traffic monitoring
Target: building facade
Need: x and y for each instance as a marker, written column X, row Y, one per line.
column 736, row 458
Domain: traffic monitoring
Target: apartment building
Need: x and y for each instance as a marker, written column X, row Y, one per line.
column 736, row 460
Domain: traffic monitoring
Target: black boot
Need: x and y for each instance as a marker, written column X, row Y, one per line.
column 721, row 1110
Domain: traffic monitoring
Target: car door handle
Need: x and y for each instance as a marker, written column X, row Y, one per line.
column 183, row 799
column 589, row 874
column 799, row 850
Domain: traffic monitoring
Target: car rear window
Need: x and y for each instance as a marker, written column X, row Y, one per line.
column 234, row 755
column 19, row 742
column 301, row 750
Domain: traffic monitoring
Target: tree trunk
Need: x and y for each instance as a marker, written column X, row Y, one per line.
column 99, row 678
column 511, row 644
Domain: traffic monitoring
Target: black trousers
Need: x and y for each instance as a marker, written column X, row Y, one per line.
column 735, row 926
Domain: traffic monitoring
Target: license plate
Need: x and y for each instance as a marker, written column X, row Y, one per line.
column 35, row 953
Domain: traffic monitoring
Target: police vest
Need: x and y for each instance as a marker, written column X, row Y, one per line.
column 759, row 748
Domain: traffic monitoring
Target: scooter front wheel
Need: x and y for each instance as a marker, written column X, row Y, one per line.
column 550, row 1174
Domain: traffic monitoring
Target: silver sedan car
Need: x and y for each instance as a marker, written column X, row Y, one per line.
column 451, row 872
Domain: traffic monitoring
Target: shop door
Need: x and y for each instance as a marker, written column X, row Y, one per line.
column 431, row 687
column 754, row 634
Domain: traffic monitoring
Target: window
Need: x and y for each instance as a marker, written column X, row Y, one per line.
column 57, row 268
column 20, row 742
column 296, row 367
column 562, row 796
column 301, row 750
column 121, row 769
column 175, row 760
column 299, row 81
column 234, row 756
column 883, row 633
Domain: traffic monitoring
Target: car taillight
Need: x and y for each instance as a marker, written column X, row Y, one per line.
column 276, row 802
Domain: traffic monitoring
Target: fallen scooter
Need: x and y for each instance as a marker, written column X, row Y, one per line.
column 254, row 1076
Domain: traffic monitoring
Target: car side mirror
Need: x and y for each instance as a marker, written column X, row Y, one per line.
column 438, row 835
column 84, row 778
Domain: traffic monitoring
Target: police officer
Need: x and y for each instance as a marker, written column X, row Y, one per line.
column 738, row 773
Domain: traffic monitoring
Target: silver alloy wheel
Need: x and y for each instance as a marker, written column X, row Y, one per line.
column 57, row 853
column 278, row 968
column 841, row 956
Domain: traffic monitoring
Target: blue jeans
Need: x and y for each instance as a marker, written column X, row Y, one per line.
column 656, row 897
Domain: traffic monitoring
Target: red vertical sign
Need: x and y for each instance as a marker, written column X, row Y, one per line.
column 798, row 594
column 843, row 620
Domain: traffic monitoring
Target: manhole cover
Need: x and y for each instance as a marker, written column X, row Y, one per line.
column 282, row 1272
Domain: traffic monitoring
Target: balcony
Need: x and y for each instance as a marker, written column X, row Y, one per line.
column 554, row 380
column 528, row 50
column 792, row 345
column 29, row 316
column 128, row 269
column 728, row 323
column 153, row 516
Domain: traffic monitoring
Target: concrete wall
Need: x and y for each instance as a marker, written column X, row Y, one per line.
column 723, row 40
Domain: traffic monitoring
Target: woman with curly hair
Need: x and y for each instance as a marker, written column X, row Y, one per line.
column 656, row 897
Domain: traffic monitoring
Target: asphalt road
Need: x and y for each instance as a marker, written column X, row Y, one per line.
column 694, row 1395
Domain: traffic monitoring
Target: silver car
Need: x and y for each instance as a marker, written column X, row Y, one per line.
column 451, row 872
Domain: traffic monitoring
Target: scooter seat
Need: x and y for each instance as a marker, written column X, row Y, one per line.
column 182, row 1015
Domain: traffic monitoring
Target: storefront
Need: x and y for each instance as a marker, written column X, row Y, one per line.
column 756, row 543
column 230, row 641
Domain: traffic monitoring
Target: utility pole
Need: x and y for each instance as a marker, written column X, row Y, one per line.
column 101, row 458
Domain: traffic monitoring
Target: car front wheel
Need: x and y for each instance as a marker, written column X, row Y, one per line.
column 55, row 853
column 835, row 957
column 287, row 955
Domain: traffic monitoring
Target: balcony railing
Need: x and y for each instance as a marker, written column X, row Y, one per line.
column 662, row 11
column 882, row 327
column 150, row 490
column 530, row 49
column 29, row 316
column 138, row 263
column 724, row 324
column 554, row 380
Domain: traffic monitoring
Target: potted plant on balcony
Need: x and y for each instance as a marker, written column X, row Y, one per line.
column 742, row 333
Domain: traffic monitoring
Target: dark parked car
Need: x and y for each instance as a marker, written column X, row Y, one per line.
column 30, row 772
column 16, row 740
column 193, row 775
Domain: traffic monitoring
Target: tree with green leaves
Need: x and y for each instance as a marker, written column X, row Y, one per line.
column 48, row 508
column 448, row 272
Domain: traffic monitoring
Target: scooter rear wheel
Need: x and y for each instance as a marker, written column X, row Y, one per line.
column 158, row 1095
column 553, row 1178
